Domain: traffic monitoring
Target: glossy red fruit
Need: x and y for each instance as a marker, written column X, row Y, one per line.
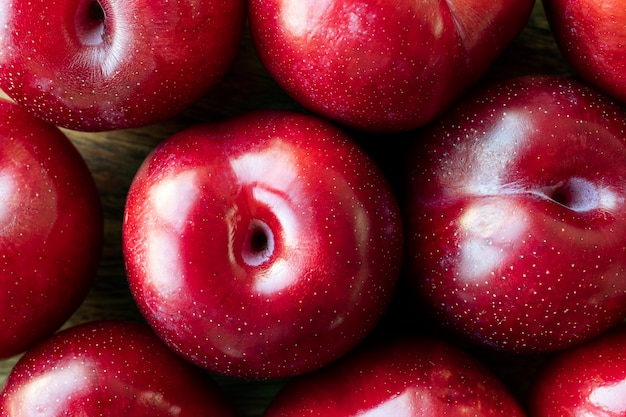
column 378, row 65
column 590, row 34
column 408, row 377
column 589, row 380
column 263, row 246
column 109, row 368
column 110, row 64
column 51, row 229
column 516, row 215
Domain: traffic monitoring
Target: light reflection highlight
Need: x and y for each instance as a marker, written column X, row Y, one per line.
column 409, row 403
column 174, row 197
column 46, row 394
column 7, row 191
column 610, row 398
column 297, row 16
column 489, row 227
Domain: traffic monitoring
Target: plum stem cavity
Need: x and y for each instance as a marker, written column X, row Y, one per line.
column 577, row 194
column 90, row 23
column 258, row 244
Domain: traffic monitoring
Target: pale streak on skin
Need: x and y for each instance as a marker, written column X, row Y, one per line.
column 493, row 156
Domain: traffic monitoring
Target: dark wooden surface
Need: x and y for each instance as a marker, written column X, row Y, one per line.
column 115, row 156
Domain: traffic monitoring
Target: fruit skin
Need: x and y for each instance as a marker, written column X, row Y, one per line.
column 262, row 246
column 401, row 377
column 590, row 35
column 109, row 368
column 588, row 380
column 51, row 227
column 98, row 65
column 378, row 65
column 516, row 217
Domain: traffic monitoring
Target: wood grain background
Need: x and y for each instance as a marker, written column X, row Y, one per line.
column 115, row 156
